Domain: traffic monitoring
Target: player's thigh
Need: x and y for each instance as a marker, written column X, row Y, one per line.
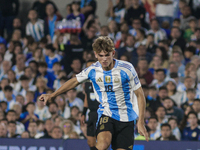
column 91, row 140
column 104, row 140
column 124, row 139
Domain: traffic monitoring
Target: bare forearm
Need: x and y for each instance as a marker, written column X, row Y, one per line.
column 141, row 104
column 70, row 84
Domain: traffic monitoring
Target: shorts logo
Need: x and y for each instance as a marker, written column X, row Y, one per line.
column 102, row 127
column 130, row 147
column 116, row 80
column 99, row 80
column 108, row 79
column 136, row 80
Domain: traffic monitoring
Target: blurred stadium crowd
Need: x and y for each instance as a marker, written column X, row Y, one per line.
column 161, row 38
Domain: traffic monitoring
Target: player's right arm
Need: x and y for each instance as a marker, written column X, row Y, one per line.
column 70, row 84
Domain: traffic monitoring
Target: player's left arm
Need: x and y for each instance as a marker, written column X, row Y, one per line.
column 142, row 105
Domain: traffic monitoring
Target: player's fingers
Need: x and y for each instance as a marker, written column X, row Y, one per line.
column 146, row 136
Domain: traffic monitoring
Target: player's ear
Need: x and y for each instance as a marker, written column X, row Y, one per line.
column 95, row 54
column 113, row 53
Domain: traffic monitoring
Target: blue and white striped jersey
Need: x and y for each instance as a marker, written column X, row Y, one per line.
column 114, row 89
column 35, row 30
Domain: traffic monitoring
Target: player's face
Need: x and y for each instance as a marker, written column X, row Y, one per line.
column 105, row 58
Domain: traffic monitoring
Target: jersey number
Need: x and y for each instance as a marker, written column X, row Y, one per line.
column 109, row 88
column 103, row 120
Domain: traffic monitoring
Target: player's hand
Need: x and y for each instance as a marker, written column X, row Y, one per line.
column 45, row 98
column 142, row 131
column 82, row 120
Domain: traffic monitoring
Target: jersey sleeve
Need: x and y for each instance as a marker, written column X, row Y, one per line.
column 134, row 80
column 83, row 75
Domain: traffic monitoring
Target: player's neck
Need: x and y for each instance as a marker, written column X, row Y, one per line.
column 112, row 64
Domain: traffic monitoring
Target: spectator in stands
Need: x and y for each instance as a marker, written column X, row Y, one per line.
column 166, row 133
column 178, row 97
column 4, row 82
column 141, row 52
column 17, row 107
column 25, row 135
column 164, row 11
column 188, row 83
column 73, row 135
column 58, row 120
column 9, row 9
column 51, row 57
column 143, row 71
column 11, row 116
column 41, row 83
column 64, row 109
column 50, row 21
column 192, row 132
column 67, row 127
column 177, row 39
column 152, row 124
column 76, row 68
column 128, row 49
column 185, row 19
column 13, row 81
column 159, row 80
column 49, row 124
column 191, row 93
column 20, row 65
column 151, row 46
column 56, row 68
column 178, row 57
column 140, row 38
column 134, row 12
column 172, row 110
column 35, row 27
column 155, row 64
column 88, row 7
column 174, row 126
column 32, row 129
column 72, row 100
column 42, row 111
column 116, row 12
column 56, row 132
column 29, row 96
column 40, row 128
column 25, row 86
column 159, row 34
column 2, row 115
column 11, row 130
column 8, row 92
column 42, row 68
column 189, row 53
column 196, row 107
column 29, row 116
column 6, row 67
column 162, row 52
column 53, row 109
column 76, row 15
column 3, row 130
column 161, row 116
column 190, row 31
column 89, row 38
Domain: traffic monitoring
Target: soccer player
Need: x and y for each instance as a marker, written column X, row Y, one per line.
column 118, row 89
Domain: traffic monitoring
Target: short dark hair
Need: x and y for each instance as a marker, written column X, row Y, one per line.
column 177, row 20
column 168, row 98
column 165, row 125
column 50, row 47
column 196, row 100
column 153, row 117
column 8, row 88
column 160, row 70
column 191, row 49
column 54, row 104
column 172, row 118
column 11, row 122
column 193, row 112
column 193, row 90
column 160, row 107
column 33, row 61
column 30, row 103
column 63, row 78
column 38, row 122
column 44, row 40
column 163, row 88
column 23, row 77
column 152, row 88
column 145, row 86
column 11, row 111
column 42, row 64
column 57, row 63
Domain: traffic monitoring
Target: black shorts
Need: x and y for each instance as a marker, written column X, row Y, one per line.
column 91, row 123
column 122, row 132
